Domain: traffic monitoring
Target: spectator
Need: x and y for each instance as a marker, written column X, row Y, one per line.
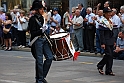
column 121, row 15
column 77, row 22
column 119, row 51
column 97, row 19
column 65, row 19
column 21, row 33
column 83, row 14
column 8, row 35
column 55, row 19
column 58, row 30
column 82, row 9
column 2, row 18
column 107, row 4
column 14, row 15
column 90, row 30
column 116, row 23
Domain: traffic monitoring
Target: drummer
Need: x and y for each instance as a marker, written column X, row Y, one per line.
column 58, row 29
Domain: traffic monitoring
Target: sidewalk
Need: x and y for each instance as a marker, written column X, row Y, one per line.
column 27, row 49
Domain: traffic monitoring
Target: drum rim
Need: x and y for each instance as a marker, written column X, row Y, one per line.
column 60, row 37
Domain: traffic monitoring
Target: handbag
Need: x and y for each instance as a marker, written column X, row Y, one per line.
column 5, row 30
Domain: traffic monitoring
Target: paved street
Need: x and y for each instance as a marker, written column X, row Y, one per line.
column 18, row 67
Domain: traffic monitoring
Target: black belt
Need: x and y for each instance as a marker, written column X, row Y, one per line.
column 115, row 25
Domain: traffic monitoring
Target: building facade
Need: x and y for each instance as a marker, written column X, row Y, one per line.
column 61, row 4
column 10, row 4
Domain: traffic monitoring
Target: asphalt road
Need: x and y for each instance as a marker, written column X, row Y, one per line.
column 19, row 67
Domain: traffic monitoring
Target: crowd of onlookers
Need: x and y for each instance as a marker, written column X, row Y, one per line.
column 82, row 24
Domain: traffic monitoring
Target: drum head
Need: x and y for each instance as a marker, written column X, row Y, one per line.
column 59, row 35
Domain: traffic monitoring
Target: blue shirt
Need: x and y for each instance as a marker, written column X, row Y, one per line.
column 89, row 17
column 120, row 43
column 56, row 17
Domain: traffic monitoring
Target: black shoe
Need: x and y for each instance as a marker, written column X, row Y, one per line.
column 102, row 53
column 44, row 81
column 10, row 49
column 111, row 74
column 87, row 51
column 91, row 51
column 96, row 52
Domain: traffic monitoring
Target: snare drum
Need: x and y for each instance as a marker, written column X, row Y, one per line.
column 60, row 48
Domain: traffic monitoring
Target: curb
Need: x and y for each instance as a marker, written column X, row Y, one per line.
column 27, row 49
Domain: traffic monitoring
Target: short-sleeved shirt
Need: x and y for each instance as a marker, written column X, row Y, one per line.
column 116, row 21
column 98, row 20
column 56, row 17
column 120, row 43
column 19, row 24
column 79, row 20
column 122, row 16
column 89, row 17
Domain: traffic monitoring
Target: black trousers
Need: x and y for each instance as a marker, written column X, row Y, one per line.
column 90, row 36
column 107, row 59
column 22, row 37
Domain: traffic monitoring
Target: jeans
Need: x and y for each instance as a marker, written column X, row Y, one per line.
column 98, row 45
column 42, row 48
column 78, row 39
column 119, row 55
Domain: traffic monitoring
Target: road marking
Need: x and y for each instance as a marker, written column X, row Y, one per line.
column 89, row 63
column 19, row 57
column 10, row 81
column 66, row 81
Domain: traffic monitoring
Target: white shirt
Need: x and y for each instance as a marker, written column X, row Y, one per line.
column 49, row 15
column 65, row 16
column 15, row 16
column 116, row 21
column 19, row 24
column 98, row 20
column 122, row 16
column 79, row 20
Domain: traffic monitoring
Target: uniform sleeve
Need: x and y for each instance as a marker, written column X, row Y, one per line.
column 102, row 38
column 33, row 27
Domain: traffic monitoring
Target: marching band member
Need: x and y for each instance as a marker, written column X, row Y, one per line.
column 41, row 46
column 107, row 43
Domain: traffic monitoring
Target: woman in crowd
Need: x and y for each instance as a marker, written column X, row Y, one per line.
column 7, row 36
column 21, row 31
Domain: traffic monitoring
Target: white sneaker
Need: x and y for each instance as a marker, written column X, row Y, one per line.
column 23, row 46
column 20, row 46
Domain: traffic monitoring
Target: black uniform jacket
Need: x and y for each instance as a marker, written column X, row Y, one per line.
column 34, row 27
column 35, row 30
column 106, row 36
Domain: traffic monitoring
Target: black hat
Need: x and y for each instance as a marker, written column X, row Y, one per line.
column 55, row 9
column 107, row 9
column 36, row 5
